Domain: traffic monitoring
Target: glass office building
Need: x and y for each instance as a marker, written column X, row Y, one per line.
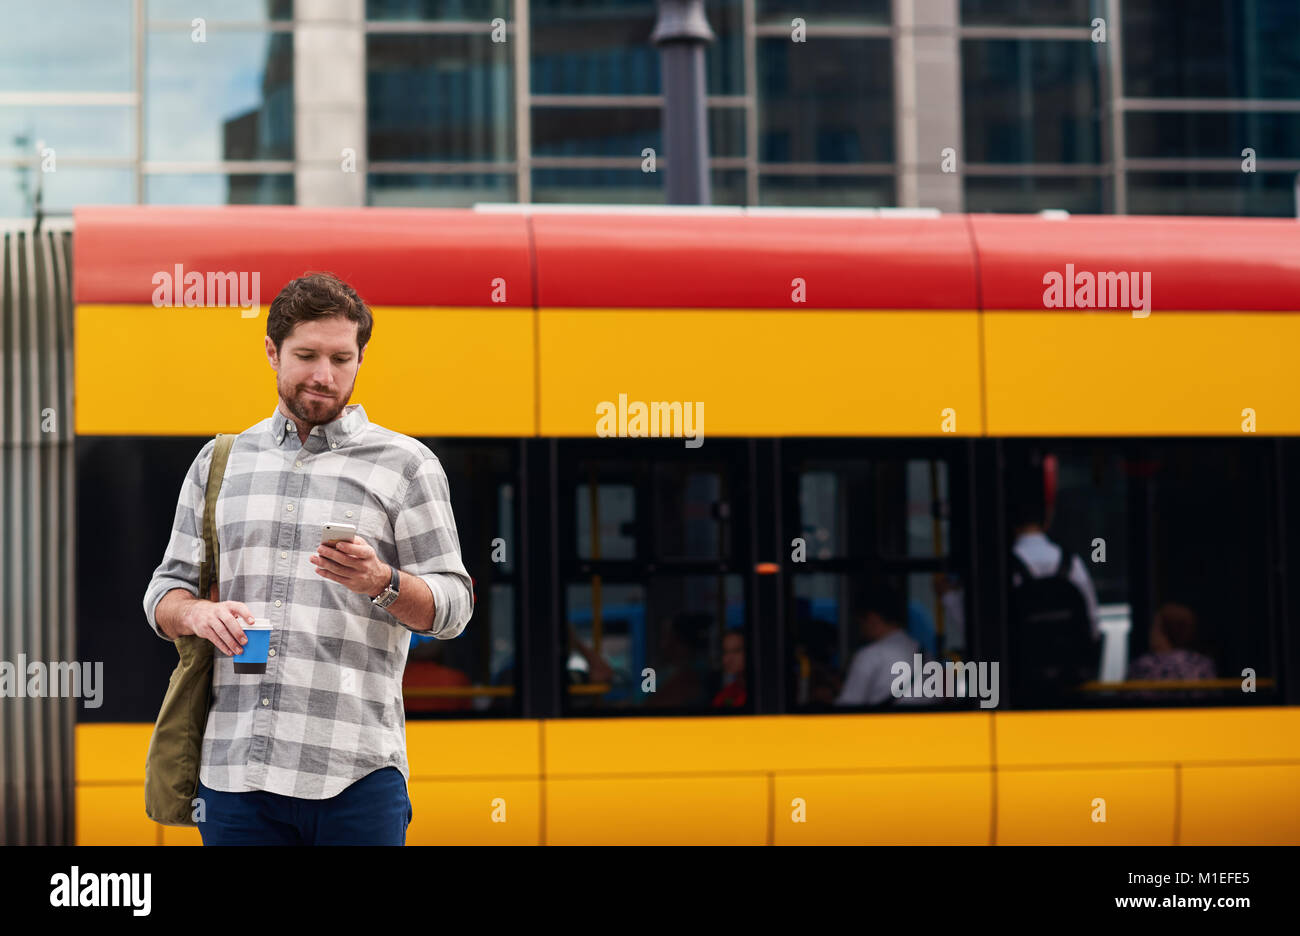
column 1126, row 106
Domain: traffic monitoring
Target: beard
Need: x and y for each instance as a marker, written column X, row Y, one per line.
column 313, row 410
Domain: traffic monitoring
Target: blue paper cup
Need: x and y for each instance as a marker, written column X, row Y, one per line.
column 253, row 659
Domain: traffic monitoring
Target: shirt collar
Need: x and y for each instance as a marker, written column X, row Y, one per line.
column 336, row 433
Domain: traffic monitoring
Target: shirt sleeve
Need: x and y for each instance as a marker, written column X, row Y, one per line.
column 180, row 565
column 854, row 690
column 428, row 547
column 1080, row 577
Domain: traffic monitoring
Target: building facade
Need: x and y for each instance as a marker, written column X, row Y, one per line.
column 1125, row 106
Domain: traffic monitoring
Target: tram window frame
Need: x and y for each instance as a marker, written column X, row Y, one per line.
column 485, row 572
column 636, row 461
column 1258, row 458
column 958, row 455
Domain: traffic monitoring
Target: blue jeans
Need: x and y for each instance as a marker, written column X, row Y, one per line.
column 374, row 810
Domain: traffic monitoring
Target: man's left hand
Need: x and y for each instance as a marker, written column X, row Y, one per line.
column 352, row 563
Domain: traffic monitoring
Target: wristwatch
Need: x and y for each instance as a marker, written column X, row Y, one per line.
column 389, row 594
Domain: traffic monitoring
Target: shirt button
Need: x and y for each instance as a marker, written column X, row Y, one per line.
column 284, row 555
column 266, row 701
column 277, row 602
column 297, row 464
column 349, row 513
column 289, row 508
column 270, row 653
column 334, row 445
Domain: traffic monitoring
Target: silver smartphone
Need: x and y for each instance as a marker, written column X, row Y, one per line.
column 333, row 532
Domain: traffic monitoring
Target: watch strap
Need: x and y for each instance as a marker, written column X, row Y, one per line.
column 390, row 592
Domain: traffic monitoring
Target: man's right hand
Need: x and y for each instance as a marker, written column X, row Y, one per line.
column 219, row 622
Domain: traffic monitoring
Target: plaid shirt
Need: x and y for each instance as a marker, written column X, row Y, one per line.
column 328, row 710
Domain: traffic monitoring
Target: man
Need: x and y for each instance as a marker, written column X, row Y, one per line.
column 313, row 751
column 881, row 610
column 1055, row 622
column 1042, row 557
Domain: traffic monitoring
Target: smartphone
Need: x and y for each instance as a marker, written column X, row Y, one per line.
column 333, row 532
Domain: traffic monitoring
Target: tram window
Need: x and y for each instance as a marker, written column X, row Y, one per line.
column 651, row 582
column 881, row 570
column 836, row 615
column 692, row 512
column 613, row 536
column 1173, row 541
column 856, row 508
column 476, row 671
column 671, row 644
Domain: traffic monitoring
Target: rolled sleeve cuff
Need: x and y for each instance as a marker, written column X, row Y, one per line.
column 154, row 596
column 452, row 606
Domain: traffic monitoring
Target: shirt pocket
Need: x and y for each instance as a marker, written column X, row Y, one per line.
column 346, row 505
column 375, row 529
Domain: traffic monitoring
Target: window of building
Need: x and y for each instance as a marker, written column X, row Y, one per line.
column 444, row 98
column 219, row 189
column 1211, row 49
column 826, row 190
column 441, row 190
column 228, row 98
column 1027, row 12
column 823, row 12
column 1212, row 135
column 229, row 11
column 63, row 190
column 627, row 186
column 1032, row 193
column 432, row 10
column 828, row 101
column 41, row 42
column 1030, row 101
column 1232, row 193
column 604, row 47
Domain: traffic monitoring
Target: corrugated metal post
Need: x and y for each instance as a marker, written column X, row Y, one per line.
column 681, row 32
column 36, row 529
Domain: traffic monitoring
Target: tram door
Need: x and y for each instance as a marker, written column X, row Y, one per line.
column 653, row 549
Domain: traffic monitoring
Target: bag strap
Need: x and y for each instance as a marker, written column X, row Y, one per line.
column 1066, row 565
column 209, row 567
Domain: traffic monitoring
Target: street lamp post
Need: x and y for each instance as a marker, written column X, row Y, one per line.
column 681, row 32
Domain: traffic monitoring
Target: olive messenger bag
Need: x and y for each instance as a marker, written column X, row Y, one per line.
column 171, row 770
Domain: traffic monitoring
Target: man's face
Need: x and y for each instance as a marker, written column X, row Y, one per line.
column 873, row 626
column 316, row 368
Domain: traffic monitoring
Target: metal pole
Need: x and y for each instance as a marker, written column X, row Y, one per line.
column 681, row 32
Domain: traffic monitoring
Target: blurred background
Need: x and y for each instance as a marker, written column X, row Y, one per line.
column 611, row 558
column 556, row 102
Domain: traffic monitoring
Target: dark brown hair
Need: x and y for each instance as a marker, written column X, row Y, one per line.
column 1178, row 622
column 872, row 591
column 315, row 296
